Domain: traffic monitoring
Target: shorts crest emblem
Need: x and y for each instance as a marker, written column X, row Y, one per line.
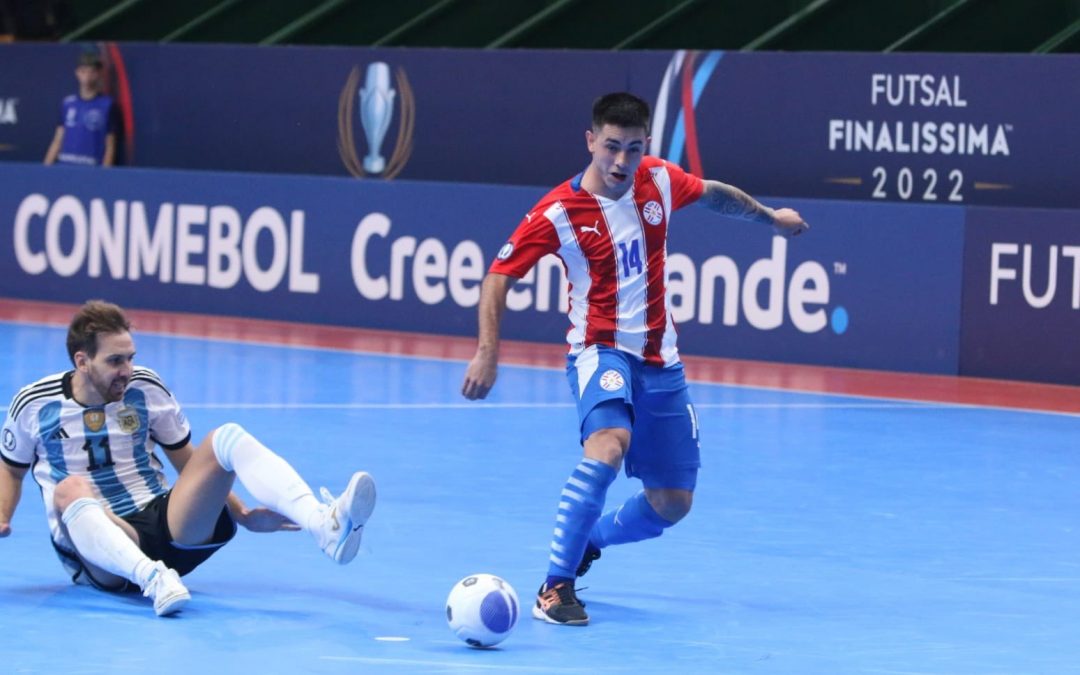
column 611, row 380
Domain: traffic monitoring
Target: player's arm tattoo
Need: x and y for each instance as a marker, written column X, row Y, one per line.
column 731, row 201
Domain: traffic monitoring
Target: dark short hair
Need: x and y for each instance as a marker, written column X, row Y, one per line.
column 95, row 317
column 90, row 57
column 621, row 109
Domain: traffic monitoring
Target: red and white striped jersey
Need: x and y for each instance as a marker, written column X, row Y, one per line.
column 614, row 252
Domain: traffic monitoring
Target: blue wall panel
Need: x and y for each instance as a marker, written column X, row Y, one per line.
column 956, row 129
column 1022, row 295
column 871, row 285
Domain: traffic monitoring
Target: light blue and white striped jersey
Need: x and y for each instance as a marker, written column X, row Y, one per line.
column 110, row 445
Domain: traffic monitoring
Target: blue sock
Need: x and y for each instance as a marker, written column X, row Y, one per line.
column 579, row 507
column 633, row 521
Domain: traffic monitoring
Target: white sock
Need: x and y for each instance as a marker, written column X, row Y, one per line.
column 267, row 476
column 103, row 543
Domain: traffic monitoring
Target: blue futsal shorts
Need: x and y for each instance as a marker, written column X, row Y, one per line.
column 614, row 389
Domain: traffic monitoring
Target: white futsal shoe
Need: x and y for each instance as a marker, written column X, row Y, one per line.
column 344, row 518
column 169, row 593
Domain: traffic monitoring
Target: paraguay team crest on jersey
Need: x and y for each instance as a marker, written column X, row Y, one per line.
column 653, row 212
column 94, row 419
column 128, row 419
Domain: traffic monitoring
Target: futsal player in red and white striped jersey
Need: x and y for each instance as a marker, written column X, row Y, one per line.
column 609, row 226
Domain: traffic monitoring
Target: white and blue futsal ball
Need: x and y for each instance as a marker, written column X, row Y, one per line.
column 482, row 610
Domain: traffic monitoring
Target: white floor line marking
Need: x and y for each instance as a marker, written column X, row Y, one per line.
column 454, row 665
column 690, row 376
column 883, row 397
column 524, row 405
column 1025, row 579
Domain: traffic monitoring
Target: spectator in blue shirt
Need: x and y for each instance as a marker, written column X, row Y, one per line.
column 89, row 121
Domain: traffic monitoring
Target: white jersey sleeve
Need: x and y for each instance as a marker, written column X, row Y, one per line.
column 18, row 445
column 169, row 427
column 18, row 440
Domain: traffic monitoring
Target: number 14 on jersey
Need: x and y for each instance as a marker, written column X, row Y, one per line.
column 631, row 257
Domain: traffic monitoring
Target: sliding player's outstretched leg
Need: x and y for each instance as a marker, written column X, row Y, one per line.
column 336, row 523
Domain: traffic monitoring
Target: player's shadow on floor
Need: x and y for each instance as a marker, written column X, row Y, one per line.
column 600, row 610
column 66, row 597
column 249, row 596
column 36, row 590
column 75, row 597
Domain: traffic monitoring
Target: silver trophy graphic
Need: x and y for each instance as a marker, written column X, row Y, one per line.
column 376, row 111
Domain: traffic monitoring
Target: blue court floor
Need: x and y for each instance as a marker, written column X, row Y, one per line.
column 829, row 534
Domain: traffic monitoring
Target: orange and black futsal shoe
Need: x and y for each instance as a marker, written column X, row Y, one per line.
column 560, row 605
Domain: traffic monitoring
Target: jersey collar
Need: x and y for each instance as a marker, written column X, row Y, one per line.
column 575, row 182
column 65, row 384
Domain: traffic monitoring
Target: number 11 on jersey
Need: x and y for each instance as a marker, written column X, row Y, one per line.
column 98, row 460
column 631, row 257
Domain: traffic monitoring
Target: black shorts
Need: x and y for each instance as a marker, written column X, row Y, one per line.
column 155, row 540
column 152, row 526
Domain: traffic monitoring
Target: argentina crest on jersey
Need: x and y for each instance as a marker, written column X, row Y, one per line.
column 128, row 418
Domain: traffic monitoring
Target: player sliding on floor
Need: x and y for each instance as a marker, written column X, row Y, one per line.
column 609, row 226
column 89, row 435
